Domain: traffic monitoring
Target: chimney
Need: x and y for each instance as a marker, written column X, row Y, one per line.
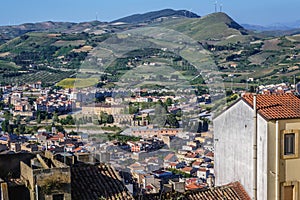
column 210, row 181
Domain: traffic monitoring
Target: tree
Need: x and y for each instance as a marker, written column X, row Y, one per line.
column 69, row 120
column 27, row 119
column 169, row 102
column 160, row 115
column 20, row 129
column 5, row 125
column 46, row 118
column 18, row 119
column 172, row 121
column 38, row 118
column 133, row 109
column 55, row 117
column 252, row 89
column 103, row 117
column 110, row 119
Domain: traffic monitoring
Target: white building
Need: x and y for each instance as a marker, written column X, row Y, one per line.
column 274, row 128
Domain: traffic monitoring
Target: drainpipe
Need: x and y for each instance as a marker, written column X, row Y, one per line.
column 277, row 156
column 254, row 149
column 37, row 192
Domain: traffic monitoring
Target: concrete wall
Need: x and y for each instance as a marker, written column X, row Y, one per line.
column 42, row 177
column 271, row 159
column 233, row 132
column 262, row 158
column 288, row 168
column 27, row 175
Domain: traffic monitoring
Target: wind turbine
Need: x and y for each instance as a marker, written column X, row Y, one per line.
column 216, row 4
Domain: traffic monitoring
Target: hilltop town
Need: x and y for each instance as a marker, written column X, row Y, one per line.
column 148, row 107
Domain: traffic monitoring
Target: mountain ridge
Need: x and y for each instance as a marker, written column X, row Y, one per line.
column 153, row 15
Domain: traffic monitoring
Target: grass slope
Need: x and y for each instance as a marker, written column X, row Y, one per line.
column 77, row 82
column 216, row 26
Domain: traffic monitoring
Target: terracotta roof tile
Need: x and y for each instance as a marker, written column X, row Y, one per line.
column 91, row 182
column 169, row 156
column 232, row 191
column 276, row 106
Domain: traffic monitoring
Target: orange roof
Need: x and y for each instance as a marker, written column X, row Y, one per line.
column 210, row 154
column 194, row 186
column 173, row 164
column 276, row 106
column 77, row 149
column 169, row 156
column 196, row 163
column 187, row 169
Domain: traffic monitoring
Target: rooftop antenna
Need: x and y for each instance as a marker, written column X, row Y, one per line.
column 221, row 7
column 216, row 5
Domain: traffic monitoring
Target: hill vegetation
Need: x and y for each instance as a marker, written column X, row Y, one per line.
column 155, row 15
column 53, row 51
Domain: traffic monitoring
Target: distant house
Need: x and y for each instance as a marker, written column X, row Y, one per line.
column 202, row 173
column 170, row 158
column 196, row 164
column 273, row 129
column 188, row 170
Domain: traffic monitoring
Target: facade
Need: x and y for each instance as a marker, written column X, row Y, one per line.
column 274, row 129
column 146, row 132
column 47, row 182
column 106, row 108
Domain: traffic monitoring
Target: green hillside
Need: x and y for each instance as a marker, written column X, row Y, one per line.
column 215, row 44
column 216, row 27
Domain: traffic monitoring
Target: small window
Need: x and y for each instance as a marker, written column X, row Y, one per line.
column 58, row 197
column 288, row 192
column 289, row 144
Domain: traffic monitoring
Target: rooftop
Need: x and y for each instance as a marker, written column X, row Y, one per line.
column 232, row 191
column 91, row 182
column 276, row 106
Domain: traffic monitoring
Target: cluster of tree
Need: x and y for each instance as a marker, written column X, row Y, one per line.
column 176, row 171
column 84, row 120
column 41, row 115
column 13, row 125
column 122, row 138
column 105, row 118
column 58, row 128
column 69, row 120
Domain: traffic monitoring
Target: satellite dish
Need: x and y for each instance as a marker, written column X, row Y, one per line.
column 297, row 88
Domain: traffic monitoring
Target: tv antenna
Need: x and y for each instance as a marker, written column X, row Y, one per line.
column 221, row 7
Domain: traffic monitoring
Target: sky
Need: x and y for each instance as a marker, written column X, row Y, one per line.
column 258, row 12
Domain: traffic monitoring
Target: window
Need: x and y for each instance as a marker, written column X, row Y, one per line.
column 289, row 143
column 58, row 197
column 288, row 192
